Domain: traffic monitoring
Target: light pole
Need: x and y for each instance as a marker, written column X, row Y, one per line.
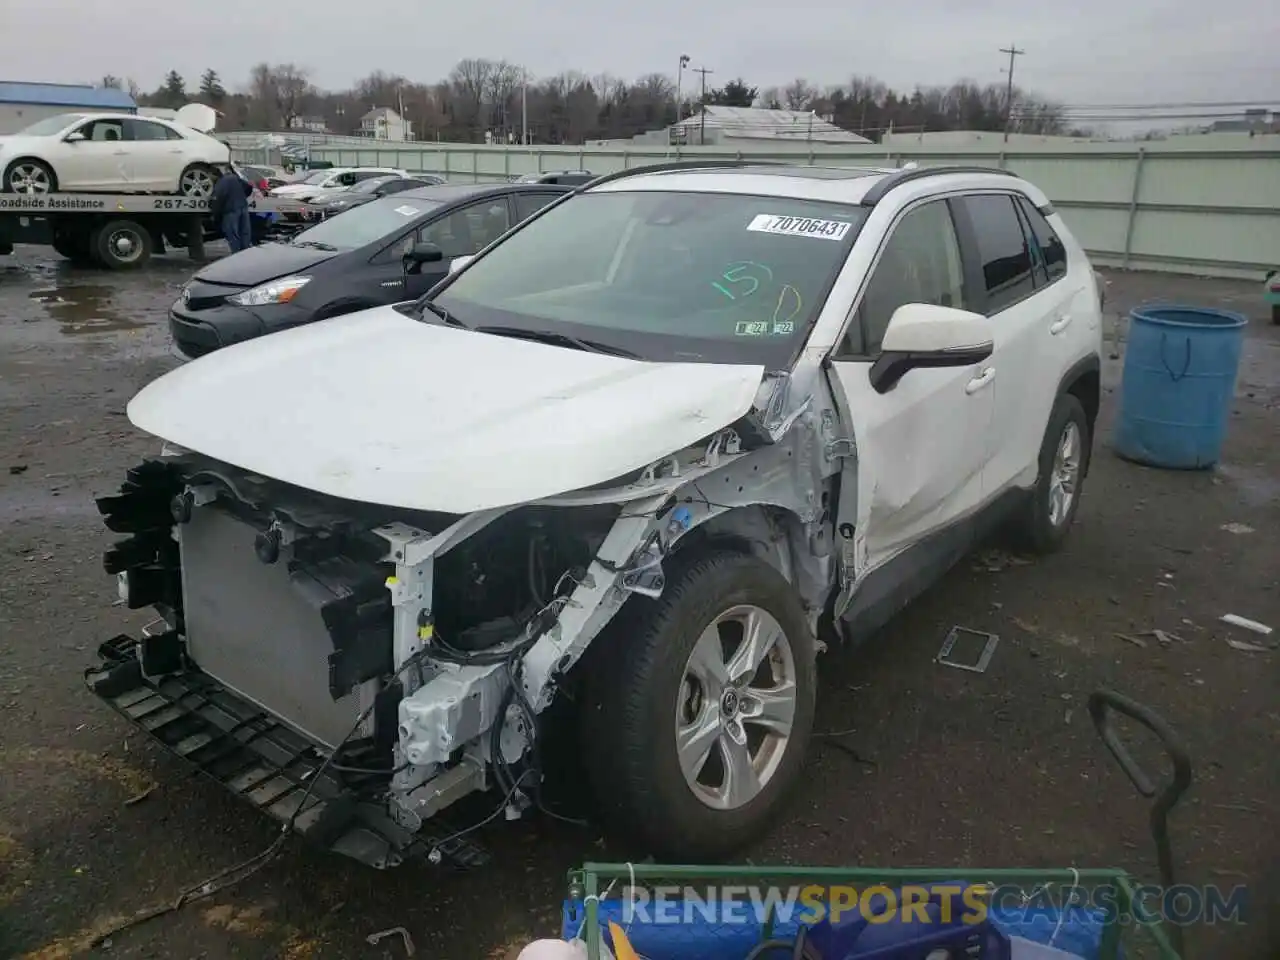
column 524, row 106
column 684, row 62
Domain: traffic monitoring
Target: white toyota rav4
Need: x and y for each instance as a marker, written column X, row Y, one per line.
column 645, row 456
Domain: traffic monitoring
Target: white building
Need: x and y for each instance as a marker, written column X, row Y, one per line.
column 22, row 104
column 310, row 124
column 758, row 127
column 383, row 123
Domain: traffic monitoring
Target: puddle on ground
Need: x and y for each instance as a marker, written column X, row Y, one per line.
column 81, row 309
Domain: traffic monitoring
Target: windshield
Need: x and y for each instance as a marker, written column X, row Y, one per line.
column 50, row 125
column 366, row 223
column 713, row 277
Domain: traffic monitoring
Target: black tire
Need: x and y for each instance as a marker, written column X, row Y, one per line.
column 201, row 172
column 47, row 170
column 1035, row 529
column 634, row 683
column 74, row 245
column 122, row 245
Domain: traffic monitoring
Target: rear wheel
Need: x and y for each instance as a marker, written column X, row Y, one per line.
column 29, row 175
column 699, row 708
column 122, row 245
column 1064, row 457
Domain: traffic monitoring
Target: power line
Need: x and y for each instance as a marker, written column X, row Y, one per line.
column 1013, row 52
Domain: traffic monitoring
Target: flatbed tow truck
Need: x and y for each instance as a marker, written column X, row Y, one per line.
column 119, row 231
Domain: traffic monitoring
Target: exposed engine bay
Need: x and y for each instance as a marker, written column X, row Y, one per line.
column 399, row 658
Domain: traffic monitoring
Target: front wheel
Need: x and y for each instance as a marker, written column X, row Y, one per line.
column 1064, row 456
column 30, row 176
column 197, row 181
column 699, row 708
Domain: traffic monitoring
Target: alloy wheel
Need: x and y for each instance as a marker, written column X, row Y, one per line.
column 736, row 707
column 29, row 178
column 1065, row 477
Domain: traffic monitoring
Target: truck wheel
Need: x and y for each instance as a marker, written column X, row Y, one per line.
column 121, row 245
column 28, row 175
column 1064, row 457
column 197, row 181
column 74, row 245
column 698, row 714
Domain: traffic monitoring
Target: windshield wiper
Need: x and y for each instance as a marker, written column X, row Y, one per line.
column 443, row 314
column 560, row 339
column 316, row 244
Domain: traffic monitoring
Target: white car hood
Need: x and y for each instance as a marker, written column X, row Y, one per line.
column 381, row 408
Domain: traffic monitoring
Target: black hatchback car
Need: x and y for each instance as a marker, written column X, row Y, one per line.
column 391, row 249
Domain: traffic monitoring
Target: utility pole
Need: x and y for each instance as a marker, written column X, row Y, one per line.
column 524, row 106
column 1013, row 52
column 702, row 133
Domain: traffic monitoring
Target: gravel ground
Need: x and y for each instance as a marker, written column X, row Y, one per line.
column 957, row 769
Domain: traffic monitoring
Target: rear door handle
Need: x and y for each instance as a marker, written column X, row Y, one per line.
column 1060, row 324
column 981, row 380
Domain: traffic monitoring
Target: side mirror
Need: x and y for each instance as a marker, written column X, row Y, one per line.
column 457, row 263
column 925, row 335
column 74, row 137
column 419, row 254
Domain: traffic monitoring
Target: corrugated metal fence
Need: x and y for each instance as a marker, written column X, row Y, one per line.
column 1170, row 205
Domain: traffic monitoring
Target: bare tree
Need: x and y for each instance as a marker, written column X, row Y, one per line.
column 292, row 85
column 799, row 94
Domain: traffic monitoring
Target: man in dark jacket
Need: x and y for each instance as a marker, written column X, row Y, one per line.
column 229, row 207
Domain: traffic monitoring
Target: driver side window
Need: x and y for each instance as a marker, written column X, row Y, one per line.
column 469, row 230
column 103, row 131
column 920, row 263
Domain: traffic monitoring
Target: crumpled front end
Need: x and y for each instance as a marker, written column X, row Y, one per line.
column 354, row 670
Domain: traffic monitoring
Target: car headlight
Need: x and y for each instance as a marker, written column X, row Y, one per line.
column 277, row 291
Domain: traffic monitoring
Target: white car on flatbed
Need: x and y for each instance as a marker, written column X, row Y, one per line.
column 110, row 153
column 645, row 456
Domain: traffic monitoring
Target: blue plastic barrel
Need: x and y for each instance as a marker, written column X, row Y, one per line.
column 1178, row 384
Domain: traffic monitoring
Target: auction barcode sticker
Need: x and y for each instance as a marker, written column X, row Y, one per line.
column 799, row 226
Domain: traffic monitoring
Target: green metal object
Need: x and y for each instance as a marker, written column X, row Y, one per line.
column 1163, row 941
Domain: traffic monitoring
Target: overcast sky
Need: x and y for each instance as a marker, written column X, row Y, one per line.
column 1079, row 52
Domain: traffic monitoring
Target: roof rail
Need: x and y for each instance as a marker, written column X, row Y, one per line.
column 672, row 166
column 894, row 180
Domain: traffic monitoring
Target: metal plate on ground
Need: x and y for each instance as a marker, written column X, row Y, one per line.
column 967, row 649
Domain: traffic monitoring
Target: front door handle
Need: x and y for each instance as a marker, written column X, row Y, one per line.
column 981, row 380
column 1060, row 324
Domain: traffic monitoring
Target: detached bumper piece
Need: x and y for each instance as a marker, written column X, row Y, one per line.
column 259, row 759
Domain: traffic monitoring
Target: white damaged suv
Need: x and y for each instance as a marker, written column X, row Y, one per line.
column 646, row 455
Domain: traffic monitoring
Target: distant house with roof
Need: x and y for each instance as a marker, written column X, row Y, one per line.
column 22, row 104
column 383, row 123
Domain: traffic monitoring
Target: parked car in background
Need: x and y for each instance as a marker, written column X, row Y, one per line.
column 390, row 249
column 110, row 152
column 568, row 177
column 265, row 178
column 321, row 182
column 368, row 190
